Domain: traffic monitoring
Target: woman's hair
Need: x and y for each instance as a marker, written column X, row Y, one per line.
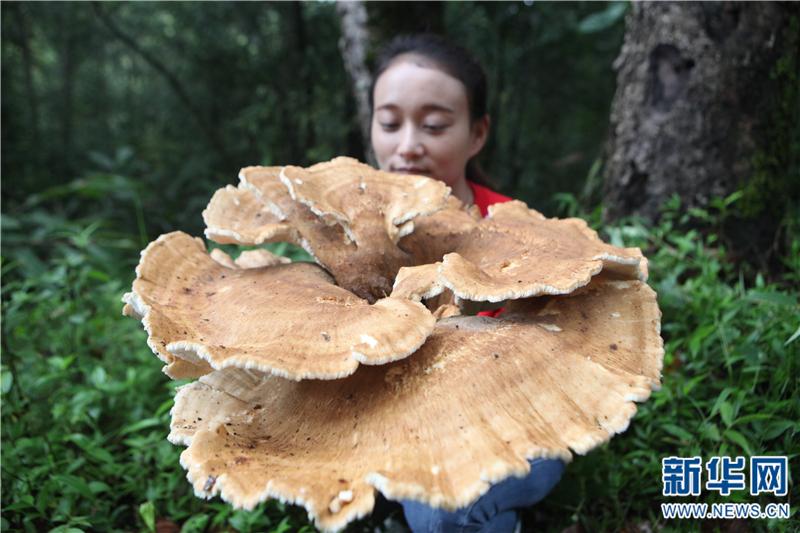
column 451, row 59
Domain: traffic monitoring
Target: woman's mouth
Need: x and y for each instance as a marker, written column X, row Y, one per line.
column 409, row 170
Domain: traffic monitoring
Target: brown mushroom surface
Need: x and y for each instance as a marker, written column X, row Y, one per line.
column 238, row 216
column 514, row 253
column 471, row 407
column 286, row 319
column 347, row 215
column 441, row 232
column 368, row 203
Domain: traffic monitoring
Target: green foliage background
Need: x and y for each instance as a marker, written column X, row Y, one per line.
column 180, row 96
column 119, row 121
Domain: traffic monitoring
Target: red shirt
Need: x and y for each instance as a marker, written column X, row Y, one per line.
column 483, row 198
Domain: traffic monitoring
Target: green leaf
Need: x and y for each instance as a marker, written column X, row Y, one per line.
column 793, row 337
column 775, row 298
column 141, row 424
column 98, row 376
column 739, row 439
column 699, row 336
column 6, row 380
column 23, row 503
column 101, row 455
column 720, row 399
column 165, row 406
column 776, row 429
column 732, row 198
column 77, row 484
column 604, row 19
column 284, row 526
column 195, row 524
column 98, row 486
column 726, row 412
column 711, row 432
column 148, row 513
column 752, row 418
column 698, row 213
column 692, row 383
column 679, row 432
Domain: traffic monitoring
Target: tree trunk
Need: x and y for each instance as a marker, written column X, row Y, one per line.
column 694, row 96
column 353, row 46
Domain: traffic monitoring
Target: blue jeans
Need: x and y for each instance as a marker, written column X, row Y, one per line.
column 495, row 511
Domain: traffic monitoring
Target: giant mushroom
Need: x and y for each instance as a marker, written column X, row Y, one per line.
column 322, row 384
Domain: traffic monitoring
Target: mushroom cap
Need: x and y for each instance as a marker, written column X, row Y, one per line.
column 515, row 253
column 208, row 315
column 316, row 236
column 347, row 215
column 238, row 216
column 470, row 408
column 356, row 196
column 265, row 182
column 326, row 243
column 441, row 232
column 418, row 283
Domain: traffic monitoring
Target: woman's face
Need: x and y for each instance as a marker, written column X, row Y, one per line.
column 421, row 122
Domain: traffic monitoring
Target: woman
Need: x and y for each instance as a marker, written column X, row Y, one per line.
column 429, row 117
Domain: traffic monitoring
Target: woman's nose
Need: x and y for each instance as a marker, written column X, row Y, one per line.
column 410, row 146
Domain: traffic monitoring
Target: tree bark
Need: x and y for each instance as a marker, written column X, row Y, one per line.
column 693, row 94
column 353, row 46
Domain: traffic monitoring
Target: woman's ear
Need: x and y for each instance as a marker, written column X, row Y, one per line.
column 479, row 134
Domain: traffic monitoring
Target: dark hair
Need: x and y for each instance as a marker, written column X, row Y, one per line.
column 450, row 58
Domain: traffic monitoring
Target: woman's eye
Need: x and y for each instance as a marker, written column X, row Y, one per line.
column 435, row 128
column 389, row 126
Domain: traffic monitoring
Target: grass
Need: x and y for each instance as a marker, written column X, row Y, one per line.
column 85, row 409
